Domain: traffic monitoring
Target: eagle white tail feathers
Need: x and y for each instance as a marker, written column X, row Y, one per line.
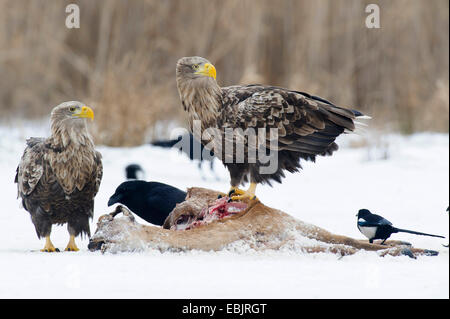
column 359, row 126
column 364, row 117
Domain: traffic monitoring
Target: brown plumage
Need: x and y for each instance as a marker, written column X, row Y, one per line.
column 306, row 125
column 59, row 176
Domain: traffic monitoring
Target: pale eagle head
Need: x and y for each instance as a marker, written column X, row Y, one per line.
column 71, row 112
column 195, row 67
column 68, row 122
column 199, row 92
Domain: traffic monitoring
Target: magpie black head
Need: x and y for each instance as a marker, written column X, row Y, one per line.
column 363, row 213
column 125, row 190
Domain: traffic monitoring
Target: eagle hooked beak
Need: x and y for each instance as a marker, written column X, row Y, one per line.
column 86, row 112
column 207, row 70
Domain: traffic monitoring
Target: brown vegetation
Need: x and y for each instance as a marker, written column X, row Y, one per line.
column 122, row 59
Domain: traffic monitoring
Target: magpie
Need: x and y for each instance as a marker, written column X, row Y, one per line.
column 376, row 227
column 152, row 201
column 134, row 171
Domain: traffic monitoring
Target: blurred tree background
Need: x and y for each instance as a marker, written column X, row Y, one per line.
column 122, row 59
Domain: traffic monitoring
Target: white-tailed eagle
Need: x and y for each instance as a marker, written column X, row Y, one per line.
column 305, row 125
column 59, row 176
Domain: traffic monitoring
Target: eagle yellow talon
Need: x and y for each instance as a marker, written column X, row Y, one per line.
column 241, row 195
column 236, row 191
column 49, row 248
column 71, row 246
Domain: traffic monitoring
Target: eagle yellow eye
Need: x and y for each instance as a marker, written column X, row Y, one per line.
column 195, row 66
column 72, row 109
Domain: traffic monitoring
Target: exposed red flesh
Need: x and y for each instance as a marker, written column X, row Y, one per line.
column 221, row 209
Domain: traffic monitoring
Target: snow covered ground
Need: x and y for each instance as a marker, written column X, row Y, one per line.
column 406, row 180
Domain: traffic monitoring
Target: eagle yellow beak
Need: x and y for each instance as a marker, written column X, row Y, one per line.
column 207, row 70
column 86, row 112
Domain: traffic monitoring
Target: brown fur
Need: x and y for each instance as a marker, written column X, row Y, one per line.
column 260, row 227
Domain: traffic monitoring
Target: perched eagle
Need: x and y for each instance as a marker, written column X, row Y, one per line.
column 304, row 125
column 58, row 177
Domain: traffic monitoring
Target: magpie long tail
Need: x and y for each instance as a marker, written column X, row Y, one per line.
column 399, row 230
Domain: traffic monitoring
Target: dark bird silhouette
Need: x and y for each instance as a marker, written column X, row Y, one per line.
column 152, row 201
column 191, row 147
column 376, row 227
column 134, row 171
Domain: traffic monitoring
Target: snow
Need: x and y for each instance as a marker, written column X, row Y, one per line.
column 404, row 178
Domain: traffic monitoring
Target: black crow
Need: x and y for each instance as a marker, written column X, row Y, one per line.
column 376, row 227
column 191, row 147
column 134, row 171
column 152, row 201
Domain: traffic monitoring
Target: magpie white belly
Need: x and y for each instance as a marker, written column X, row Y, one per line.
column 369, row 232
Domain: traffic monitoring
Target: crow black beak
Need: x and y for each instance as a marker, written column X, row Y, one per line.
column 114, row 199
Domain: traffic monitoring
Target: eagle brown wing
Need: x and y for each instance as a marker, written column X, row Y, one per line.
column 304, row 123
column 31, row 166
column 98, row 173
column 34, row 168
